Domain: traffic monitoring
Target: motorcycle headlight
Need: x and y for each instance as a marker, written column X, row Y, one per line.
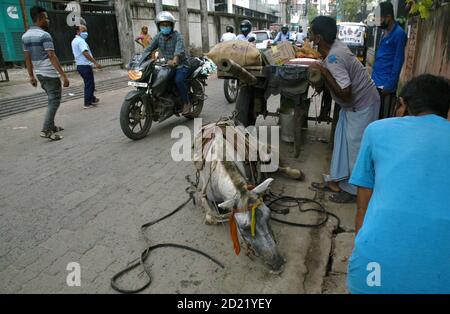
column 135, row 75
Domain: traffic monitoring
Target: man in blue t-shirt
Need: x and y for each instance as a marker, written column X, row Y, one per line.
column 389, row 59
column 84, row 61
column 403, row 177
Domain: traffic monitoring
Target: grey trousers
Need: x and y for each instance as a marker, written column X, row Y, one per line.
column 52, row 86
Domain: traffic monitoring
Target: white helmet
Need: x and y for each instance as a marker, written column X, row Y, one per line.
column 164, row 16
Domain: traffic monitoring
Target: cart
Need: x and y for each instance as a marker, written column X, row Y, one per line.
column 258, row 83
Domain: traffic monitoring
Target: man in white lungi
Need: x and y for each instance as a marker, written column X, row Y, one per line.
column 353, row 89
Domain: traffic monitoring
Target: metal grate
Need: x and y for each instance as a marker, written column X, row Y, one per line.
column 3, row 41
column 17, row 44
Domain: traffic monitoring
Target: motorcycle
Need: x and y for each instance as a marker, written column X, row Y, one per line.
column 156, row 98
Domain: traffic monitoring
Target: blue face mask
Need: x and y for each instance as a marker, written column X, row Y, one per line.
column 165, row 30
column 84, row 35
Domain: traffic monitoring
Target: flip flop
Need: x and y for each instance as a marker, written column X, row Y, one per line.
column 342, row 198
column 58, row 129
column 51, row 135
column 322, row 187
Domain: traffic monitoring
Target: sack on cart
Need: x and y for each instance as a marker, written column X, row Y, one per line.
column 241, row 52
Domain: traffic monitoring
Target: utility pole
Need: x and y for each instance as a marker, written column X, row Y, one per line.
column 184, row 23
column 283, row 9
column 158, row 7
column 204, row 25
column 364, row 9
column 24, row 14
column 122, row 9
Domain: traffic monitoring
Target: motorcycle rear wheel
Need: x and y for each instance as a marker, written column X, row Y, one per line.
column 197, row 98
column 132, row 113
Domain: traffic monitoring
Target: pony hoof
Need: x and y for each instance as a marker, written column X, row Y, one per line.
column 210, row 220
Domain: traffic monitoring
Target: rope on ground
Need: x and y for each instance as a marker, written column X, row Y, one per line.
column 287, row 202
column 145, row 254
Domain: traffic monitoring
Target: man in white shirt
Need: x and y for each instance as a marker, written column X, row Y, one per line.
column 300, row 37
column 229, row 35
column 84, row 61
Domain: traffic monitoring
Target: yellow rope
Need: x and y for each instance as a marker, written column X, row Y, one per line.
column 253, row 222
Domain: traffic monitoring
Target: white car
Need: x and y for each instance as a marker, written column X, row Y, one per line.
column 263, row 39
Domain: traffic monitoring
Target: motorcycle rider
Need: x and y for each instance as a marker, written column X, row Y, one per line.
column 284, row 35
column 171, row 46
column 246, row 31
column 300, row 37
column 229, row 35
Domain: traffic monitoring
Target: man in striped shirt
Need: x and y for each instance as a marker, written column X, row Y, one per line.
column 40, row 56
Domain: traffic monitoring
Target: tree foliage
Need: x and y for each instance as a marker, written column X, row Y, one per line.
column 421, row 7
column 312, row 13
column 348, row 9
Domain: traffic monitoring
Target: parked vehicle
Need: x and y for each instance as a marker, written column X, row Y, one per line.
column 264, row 39
column 355, row 35
column 155, row 97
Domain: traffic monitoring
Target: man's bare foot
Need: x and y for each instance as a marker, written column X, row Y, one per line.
column 329, row 186
column 334, row 186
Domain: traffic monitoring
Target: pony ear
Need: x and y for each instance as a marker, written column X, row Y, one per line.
column 228, row 204
column 263, row 186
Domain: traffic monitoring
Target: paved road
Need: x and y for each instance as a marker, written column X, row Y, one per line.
column 83, row 199
column 18, row 96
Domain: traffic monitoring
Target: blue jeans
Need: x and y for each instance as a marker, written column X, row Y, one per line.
column 89, row 85
column 180, row 80
column 52, row 86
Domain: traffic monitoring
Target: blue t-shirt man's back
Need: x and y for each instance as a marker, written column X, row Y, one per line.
column 406, row 229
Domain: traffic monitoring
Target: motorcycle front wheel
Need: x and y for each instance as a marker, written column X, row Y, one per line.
column 230, row 89
column 134, row 120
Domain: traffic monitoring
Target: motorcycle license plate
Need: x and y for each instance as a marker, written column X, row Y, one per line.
column 137, row 84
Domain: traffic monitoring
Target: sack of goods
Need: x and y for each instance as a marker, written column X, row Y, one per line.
column 307, row 52
column 241, row 52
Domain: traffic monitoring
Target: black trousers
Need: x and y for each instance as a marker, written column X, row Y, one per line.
column 89, row 85
column 387, row 106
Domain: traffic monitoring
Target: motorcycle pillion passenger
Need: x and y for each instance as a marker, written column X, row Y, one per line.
column 171, row 46
column 229, row 34
column 246, row 31
column 284, row 35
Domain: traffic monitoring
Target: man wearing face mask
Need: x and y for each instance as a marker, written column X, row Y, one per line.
column 171, row 46
column 84, row 61
column 389, row 58
column 284, row 35
column 246, row 31
column 350, row 86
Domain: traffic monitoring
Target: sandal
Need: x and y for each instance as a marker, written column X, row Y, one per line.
column 51, row 135
column 57, row 129
column 322, row 187
column 342, row 198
